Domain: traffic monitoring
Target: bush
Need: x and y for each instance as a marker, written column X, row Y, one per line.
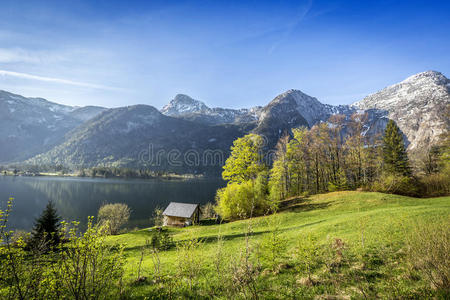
column 113, row 216
column 87, row 268
column 157, row 218
column 84, row 267
column 308, row 255
column 161, row 240
column 241, row 200
column 435, row 185
column 396, row 184
column 189, row 261
column 429, row 253
column 272, row 248
column 208, row 211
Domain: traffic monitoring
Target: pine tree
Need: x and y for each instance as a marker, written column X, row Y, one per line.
column 394, row 153
column 45, row 232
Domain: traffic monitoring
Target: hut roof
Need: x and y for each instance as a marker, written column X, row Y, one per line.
column 177, row 209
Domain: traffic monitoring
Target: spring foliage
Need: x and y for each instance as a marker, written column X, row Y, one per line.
column 113, row 216
column 246, row 172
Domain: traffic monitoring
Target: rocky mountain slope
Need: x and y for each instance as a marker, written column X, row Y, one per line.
column 140, row 136
column 183, row 106
column 294, row 109
column 417, row 104
column 29, row 126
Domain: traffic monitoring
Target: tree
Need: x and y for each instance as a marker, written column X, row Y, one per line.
column 45, row 234
column 431, row 160
column 245, row 161
column 299, row 161
column 394, row 152
column 280, row 180
column 240, row 201
column 246, row 191
column 113, row 216
column 157, row 217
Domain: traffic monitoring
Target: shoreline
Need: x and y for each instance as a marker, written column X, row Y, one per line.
column 75, row 175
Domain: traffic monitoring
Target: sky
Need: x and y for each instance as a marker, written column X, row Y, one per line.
column 226, row 53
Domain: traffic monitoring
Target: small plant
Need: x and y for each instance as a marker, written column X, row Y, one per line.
column 308, row 256
column 429, row 253
column 336, row 255
column 87, row 268
column 272, row 249
column 161, row 240
column 244, row 272
column 189, row 261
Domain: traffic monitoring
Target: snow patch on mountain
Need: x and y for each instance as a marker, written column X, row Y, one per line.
column 417, row 105
column 183, row 106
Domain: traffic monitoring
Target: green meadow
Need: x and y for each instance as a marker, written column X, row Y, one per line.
column 338, row 245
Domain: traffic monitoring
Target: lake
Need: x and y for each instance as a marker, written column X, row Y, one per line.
column 77, row 198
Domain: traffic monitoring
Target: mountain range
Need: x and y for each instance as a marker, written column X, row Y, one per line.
column 187, row 136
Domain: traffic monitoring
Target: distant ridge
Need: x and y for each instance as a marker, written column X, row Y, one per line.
column 95, row 136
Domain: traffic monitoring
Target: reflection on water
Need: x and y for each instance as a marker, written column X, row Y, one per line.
column 78, row 198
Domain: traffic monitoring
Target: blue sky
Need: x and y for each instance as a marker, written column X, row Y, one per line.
column 229, row 54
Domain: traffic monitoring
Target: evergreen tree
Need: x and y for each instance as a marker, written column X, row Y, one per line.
column 45, row 232
column 394, row 152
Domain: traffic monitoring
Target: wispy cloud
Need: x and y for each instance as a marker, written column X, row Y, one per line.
column 287, row 31
column 58, row 80
column 20, row 55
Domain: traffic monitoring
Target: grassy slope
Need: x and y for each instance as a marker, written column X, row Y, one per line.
column 379, row 218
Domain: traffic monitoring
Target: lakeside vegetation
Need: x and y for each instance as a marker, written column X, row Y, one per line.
column 95, row 172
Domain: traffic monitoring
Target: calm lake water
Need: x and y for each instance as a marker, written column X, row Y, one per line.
column 78, row 198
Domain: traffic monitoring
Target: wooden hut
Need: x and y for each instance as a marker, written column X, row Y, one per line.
column 181, row 214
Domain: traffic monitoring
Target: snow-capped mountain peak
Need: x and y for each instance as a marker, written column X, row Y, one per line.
column 416, row 104
column 183, row 104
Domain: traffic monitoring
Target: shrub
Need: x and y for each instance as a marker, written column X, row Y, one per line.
column 161, row 240
column 308, row 255
column 157, row 218
column 241, row 200
column 21, row 275
column 189, row 261
column 84, row 267
column 429, row 252
column 87, row 268
column 113, row 216
column 435, row 185
column 208, row 211
column 272, row 249
column 396, row 184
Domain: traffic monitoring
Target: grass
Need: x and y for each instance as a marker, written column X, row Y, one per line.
column 360, row 219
